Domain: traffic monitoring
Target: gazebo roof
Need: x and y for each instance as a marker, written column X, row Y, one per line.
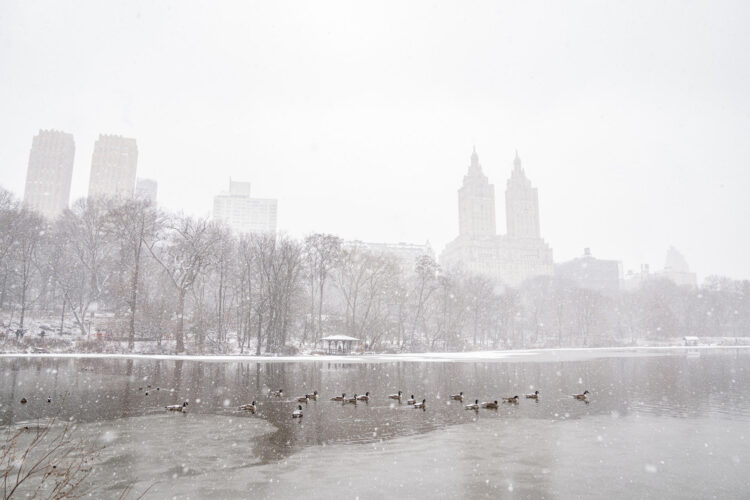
column 333, row 338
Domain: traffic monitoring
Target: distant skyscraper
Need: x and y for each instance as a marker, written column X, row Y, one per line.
column 677, row 270
column 592, row 273
column 145, row 189
column 476, row 202
column 113, row 167
column 521, row 204
column 508, row 259
column 243, row 213
column 49, row 173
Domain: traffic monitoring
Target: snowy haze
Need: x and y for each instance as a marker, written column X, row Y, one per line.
column 631, row 118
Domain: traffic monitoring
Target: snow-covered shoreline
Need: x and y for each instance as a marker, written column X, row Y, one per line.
column 556, row 354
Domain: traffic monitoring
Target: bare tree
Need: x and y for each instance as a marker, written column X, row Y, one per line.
column 44, row 461
column 362, row 278
column 247, row 291
column 10, row 224
column 322, row 253
column 588, row 305
column 559, row 308
column 24, row 253
column 224, row 257
column 81, row 265
column 446, row 322
column 10, row 211
column 656, row 315
column 509, row 312
column 182, row 253
column 425, row 283
column 131, row 224
column 282, row 292
column 480, row 301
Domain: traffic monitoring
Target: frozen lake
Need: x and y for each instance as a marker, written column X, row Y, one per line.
column 668, row 423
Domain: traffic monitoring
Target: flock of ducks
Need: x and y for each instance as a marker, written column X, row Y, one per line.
column 412, row 401
column 297, row 413
column 493, row 405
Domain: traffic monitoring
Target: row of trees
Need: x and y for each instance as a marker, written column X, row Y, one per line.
column 142, row 273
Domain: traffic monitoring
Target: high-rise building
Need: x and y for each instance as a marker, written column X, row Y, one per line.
column 507, row 259
column 476, row 202
column 113, row 167
column 677, row 270
column 243, row 213
column 146, row 189
column 49, row 173
column 521, row 205
column 592, row 273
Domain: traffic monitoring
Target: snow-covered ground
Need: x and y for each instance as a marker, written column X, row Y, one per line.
column 557, row 354
column 74, row 344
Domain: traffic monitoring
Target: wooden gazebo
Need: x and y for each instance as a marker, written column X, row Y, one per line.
column 338, row 344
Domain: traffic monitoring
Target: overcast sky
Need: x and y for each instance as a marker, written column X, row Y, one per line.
column 632, row 118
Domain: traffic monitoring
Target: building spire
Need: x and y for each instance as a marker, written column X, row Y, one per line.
column 517, row 161
column 474, row 157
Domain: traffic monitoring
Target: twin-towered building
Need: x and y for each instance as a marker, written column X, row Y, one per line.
column 521, row 254
column 508, row 259
column 50, row 171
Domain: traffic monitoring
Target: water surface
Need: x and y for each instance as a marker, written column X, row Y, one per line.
column 661, row 424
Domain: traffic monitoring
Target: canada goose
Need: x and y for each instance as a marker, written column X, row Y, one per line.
column 458, row 397
column 314, row 395
column 582, row 397
column 411, row 400
column 49, row 399
column 250, row 407
column 352, row 400
column 490, row 405
column 182, row 407
column 277, row 394
column 473, row 406
column 364, row 397
column 513, row 400
column 303, row 399
column 23, row 401
column 396, row 396
column 298, row 412
column 535, row 395
column 421, row 404
column 339, row 398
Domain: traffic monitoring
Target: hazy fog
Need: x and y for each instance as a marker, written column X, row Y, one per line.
column 632, row 119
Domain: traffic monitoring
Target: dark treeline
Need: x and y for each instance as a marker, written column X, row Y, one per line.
column 190, row 284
